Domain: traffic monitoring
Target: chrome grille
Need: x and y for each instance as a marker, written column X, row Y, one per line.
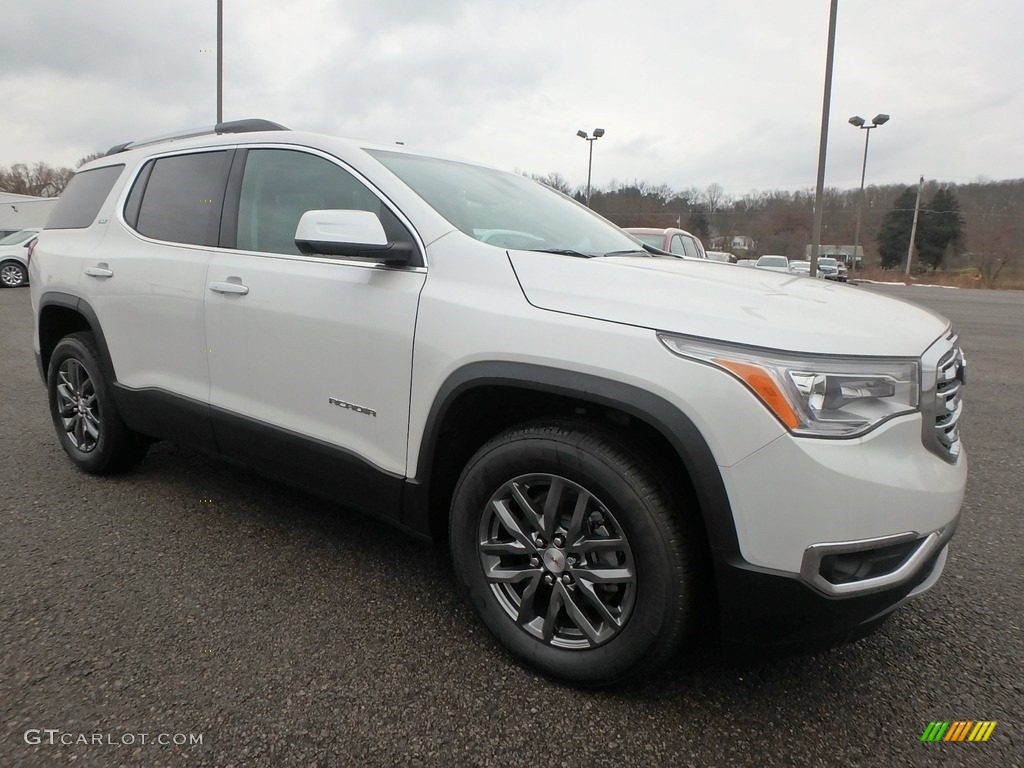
column 941, row 403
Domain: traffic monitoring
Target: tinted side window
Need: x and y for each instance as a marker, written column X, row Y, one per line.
column 279, row 185
column 182, row 198
column 677, row 245
column 83, row 198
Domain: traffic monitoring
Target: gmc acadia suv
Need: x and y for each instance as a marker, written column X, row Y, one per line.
column 616, row 445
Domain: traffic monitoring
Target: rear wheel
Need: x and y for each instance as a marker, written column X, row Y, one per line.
column 569, row 549
column 82, row 407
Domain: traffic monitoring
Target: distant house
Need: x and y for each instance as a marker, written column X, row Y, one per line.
column 19, row 212
column 740, row 245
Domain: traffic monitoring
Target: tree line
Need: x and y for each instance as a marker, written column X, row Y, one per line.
column 38, row 179
column 978, row 223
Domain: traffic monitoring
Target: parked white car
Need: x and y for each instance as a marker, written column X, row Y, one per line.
column 608, row 440
column 833, row 269
column 14, row 258
column 723, row 256
column 774, row 263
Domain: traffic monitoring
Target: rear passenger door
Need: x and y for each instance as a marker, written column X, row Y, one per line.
column 148, row 283
column 310, row 356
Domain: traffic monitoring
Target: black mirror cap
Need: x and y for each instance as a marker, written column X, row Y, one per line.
column 392, row 253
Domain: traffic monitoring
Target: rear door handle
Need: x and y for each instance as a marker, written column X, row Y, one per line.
column 229, row 287
column 99, row 270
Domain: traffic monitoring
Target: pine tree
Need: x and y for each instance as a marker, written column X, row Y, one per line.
column 894, row 234
column 941, row 226
column 698, row 225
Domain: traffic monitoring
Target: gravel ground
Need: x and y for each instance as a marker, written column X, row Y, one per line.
column 190, row 598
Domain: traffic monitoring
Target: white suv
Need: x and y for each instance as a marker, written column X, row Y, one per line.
column 617, row 446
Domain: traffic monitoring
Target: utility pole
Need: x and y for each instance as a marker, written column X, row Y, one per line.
column 220, row 61
column 819, row 195
column 913, row 227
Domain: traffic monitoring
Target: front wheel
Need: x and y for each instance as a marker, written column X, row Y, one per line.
column 569, row 549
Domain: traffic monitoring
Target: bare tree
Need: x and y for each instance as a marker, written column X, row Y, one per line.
column 713, row 198
column 555, row 180
column 38, row 180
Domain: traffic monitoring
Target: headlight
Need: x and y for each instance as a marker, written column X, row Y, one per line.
column 813, row 395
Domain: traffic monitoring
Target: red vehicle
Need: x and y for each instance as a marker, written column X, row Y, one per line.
column 677, row 241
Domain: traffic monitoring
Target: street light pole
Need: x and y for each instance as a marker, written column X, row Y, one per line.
column 220, row 61
column 826, row 101
column 859, row 122
column 598, row 133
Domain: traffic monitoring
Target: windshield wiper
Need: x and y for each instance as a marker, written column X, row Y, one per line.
column 562, row 252
column 633, row 252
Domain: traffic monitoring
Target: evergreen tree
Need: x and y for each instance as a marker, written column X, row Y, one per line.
column 698, row 225
column 894, row 234
column 941, row 225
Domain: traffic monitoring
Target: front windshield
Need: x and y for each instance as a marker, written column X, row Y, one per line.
column 504, row 209
column 18, row 237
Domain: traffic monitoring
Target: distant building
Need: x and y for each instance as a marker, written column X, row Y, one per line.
column 737, row 244
column 19, row 212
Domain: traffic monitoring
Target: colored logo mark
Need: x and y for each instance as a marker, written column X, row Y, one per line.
column 958, row 730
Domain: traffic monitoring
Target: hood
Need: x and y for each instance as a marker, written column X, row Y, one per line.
column 725, row 302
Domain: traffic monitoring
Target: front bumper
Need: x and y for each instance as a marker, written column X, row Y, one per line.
column 832, row 536
column 760, row 609
column 797, row 493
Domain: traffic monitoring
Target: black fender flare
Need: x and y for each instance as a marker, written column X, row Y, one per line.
column 82, row 307
column 677, row 428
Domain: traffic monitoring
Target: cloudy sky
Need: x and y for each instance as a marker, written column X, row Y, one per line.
column 690, row 92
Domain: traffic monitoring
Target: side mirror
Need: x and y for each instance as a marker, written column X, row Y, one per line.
column 349, row 233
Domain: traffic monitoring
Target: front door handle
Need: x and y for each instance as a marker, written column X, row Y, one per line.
column 100, row 270
column 229, row 287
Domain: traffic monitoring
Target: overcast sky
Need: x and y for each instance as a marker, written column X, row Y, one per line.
column 690, row 92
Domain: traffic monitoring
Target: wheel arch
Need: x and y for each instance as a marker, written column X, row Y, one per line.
column 462, row 418
column 61, row 314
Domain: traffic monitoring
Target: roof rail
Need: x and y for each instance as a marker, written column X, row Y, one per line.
column 235, row 126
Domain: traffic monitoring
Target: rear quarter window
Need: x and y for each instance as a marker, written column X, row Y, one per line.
column 178, row 198
column 82, row 199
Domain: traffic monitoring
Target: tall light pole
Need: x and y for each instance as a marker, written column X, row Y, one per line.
column 859, row 122
column 598, row 133
column 220, row 61
column 826, row 101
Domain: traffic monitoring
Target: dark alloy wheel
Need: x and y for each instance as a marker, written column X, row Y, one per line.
column 77, row 405
column 82, row 407
column 557, row 561
column 571, row 552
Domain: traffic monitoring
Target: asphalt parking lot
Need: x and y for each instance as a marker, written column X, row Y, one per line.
column 190, row 597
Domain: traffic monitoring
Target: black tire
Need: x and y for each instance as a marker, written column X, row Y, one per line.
column 82, row 407
column 13, row 274
column 609, row 518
